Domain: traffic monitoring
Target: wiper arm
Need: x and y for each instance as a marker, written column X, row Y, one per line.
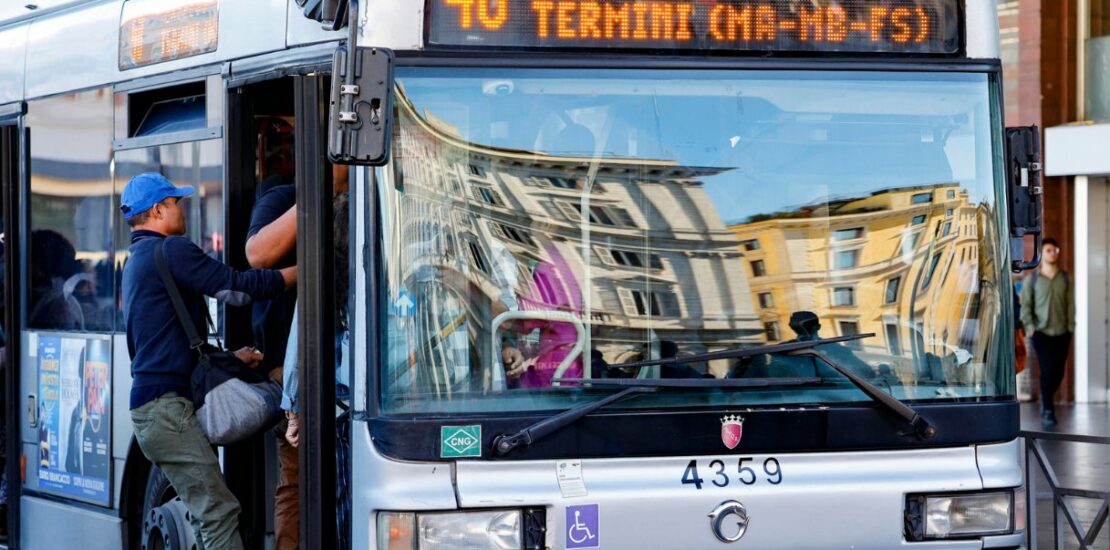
column 921, row 427
column 506, row 443
column 743, row 352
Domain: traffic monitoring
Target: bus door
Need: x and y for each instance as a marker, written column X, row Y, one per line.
column 321, row 286
column 12, row 138
column 175, row 129
column 276, row 137
column 260, row 157
column 274, row 131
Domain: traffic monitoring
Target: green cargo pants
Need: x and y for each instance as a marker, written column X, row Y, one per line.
column 171, row 438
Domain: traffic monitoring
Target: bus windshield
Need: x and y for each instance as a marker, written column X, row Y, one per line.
column 541, row 226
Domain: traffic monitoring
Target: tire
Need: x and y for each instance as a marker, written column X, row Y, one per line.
column 165, row 522
column 158, row 490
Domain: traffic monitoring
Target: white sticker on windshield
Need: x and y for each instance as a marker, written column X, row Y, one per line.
column 571, row 483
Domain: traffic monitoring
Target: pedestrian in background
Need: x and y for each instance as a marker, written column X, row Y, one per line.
column 162, row 362
column 1048, row 312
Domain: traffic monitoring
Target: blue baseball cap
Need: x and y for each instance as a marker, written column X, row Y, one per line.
column 146, row 190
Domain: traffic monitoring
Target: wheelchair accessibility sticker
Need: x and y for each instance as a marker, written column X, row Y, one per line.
column 583, row 526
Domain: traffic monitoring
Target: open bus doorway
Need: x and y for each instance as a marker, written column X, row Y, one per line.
column 261, row 157
column 276, row 131
column 257, row 154
column 264, row 153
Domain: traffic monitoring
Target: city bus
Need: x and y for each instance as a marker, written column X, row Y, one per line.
column 610, row 274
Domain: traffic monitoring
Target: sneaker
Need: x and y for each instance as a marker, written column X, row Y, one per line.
column 1048, row 419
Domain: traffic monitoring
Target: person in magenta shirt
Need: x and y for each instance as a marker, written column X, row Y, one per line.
column 555, row 288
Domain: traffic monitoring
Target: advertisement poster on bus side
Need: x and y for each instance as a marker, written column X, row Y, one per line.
column 75, row 418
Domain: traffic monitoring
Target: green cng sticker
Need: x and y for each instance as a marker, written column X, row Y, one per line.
column 460, row 441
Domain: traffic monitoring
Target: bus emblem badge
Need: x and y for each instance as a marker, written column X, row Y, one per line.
column 732, row 429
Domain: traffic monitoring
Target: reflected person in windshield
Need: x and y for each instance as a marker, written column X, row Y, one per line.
column 551, row 291
column 806, row 325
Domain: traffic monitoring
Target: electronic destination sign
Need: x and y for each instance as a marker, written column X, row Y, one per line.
column 852, row 26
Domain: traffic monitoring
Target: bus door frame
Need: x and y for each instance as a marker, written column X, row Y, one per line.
column 242, row 460
column 14, row 158
column 316, row 302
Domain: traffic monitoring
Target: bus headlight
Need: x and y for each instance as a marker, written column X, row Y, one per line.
column 487, row 529
column 959, row 515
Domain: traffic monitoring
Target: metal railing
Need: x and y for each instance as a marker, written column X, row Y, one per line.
column 1065, row 519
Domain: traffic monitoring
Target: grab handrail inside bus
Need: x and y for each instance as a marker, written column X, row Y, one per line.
column 540, row 315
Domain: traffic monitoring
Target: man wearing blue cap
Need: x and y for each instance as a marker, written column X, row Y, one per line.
column 161, row 360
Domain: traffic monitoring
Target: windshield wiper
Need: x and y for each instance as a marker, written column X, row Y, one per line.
column 742, row 352
column 920, row 426
column 506, row 443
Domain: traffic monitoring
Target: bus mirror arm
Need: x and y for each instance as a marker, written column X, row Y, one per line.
column 1025, row 194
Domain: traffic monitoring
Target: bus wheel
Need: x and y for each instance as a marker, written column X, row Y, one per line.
column 165, row 520
column 167, row 528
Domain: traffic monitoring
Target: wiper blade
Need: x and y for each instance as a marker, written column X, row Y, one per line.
column 698, row 383
column 921, row 427
column 506, row 443
column 743, row 352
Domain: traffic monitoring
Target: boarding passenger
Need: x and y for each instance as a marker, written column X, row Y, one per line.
column 290, row 391
column 161, row 361
column 556, row 338
column 291, row 368
column 272, row 244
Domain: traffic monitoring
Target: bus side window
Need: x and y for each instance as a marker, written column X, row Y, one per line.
column 70, row 253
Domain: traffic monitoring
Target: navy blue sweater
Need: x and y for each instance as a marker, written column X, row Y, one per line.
column 271, row 319
column 161, row 360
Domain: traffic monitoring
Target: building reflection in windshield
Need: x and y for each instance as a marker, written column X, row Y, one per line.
column 496, row 254
column 903, row 263
column 482, row 230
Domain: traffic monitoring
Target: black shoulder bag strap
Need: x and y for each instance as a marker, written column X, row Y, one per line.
column 195, row 341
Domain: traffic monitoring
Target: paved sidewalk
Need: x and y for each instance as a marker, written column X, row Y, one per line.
column 1077, row 465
